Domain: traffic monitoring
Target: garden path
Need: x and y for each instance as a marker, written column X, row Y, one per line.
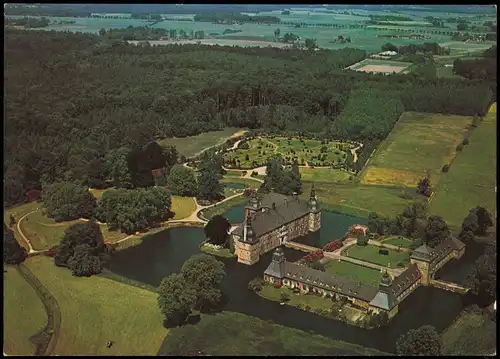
column 31, row 250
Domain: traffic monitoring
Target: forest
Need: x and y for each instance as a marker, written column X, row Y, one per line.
column 84, row 99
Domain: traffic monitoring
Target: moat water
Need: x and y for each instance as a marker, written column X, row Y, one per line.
column 333, row 225
column 164, row 253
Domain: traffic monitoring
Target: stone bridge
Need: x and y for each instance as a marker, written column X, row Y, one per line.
column 450, row 286
column 301, row 247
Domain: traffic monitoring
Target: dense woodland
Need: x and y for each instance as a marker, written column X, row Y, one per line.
column 86, row 106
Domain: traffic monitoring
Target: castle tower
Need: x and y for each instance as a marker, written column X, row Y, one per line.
column 314, row 212
column 422, row 258
column 275, row 272
column 253, row 205
column 385, row 299
column 248, row 233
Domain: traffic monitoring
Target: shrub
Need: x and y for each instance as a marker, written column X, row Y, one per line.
column 248, row 192
column 284, row 297
column 362, row 241
column 465, row 142
column 307, row 307
column 313, row 256
column 445, row 168
column 277, row 285
column 33, row 195
column 300, row 306
column 406, row 195
column 459, row 147
column 255, row 285
column 254, row 174
column 333, row 246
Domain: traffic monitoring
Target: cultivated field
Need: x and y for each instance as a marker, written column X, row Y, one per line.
column 192, row 145
column 419, row 142
column 353, row 271
column 304, row 151
column 95, row 310
column 471, row 180
column 379, row 66
column 24, row 314
column 371, row 254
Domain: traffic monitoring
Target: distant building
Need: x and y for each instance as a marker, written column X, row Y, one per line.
column 388, row 53
column 272, row 220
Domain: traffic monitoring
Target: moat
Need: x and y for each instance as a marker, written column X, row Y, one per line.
column 164, row 253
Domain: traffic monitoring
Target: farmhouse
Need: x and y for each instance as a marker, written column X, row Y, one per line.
column 385, row 298
column 271, row 221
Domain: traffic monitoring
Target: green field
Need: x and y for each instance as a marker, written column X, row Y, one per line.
column 230, row 333
column 370, row 253
column 24, row 314
column 358, row 200
column 419, row 142
column 303, row 151
column 471, row 180
column 192, row 145
column 325, row 174
column 182, row 206
column 353, row 271
column 471, row 334
column 95, row 310
column 398, row 241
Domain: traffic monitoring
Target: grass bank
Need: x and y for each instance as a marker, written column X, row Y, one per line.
column 230, row 333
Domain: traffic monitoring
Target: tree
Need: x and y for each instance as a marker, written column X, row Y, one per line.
column 311, row 44
column 12, row 220
column 117, row 163
column 83, row 262
column 65, row 201
column 204, row 274
column 182, row 181
column 413, row 220
column 13, row 253
column 217, row 230
column 277, row 33
column 482, row 277
column 256, row 284
column 209, row 186
column 317, row 265
column 436, row 231
column 102, row 31
column 176, row 298
column 422, row 341
column 484, row 220
column 424, row 186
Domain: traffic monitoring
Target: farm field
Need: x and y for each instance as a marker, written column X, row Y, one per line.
column 24, row 314
column 231, row 333
column 370, row 253
column 470, row 334
column 182, row 206
column 353, row 271
column 305, row 151
column 418, row 142
column 471, row 179
column 376, row 66
column 95, row 310
column 398, row 241
column 192, row 145
column 360, row 200
column 324, row 174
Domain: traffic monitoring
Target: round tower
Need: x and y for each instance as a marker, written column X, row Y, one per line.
column 314, row 212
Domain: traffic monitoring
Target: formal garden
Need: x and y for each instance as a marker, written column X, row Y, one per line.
column 391, row 258
column 254, row 152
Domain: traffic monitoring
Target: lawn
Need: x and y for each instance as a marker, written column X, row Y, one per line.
column 98, row 192
column 370, row 253
column 471, row 180
column 359, row 200
column 325, row 174
column 353, row 271
column 234, row 173
column 302, row 150
column 18, row 212
column 398, row 241
column 471, row 334
column 230, row 333
column 247, row 182
column 314, row 301
column 24, row 314
column 192, row 145
column 95, row 310
column 230, row 189
column 419, row 142
column 182, row 206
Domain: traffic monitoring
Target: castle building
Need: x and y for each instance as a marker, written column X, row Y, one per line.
column 272, row 220
column 385, row 298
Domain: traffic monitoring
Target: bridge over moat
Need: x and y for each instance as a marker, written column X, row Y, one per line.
column 449, row 286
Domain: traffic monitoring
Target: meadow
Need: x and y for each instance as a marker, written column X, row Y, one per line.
column 19, row 299
column 370, row 253
column 354, row 272
column 305, row 151
column 419, row 142
column 193, row 145
column 230, row 333
column 90, row 317
column 471, row 179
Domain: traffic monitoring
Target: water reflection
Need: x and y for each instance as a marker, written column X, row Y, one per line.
column 164, row 253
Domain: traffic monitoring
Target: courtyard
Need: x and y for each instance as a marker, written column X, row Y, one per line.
column 370, row 253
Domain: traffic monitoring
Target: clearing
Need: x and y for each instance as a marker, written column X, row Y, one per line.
column 471, row 180
column 304, row 151
column 470, row 334
column 370, row 253
column 230, row 333
column 24, row 314
column 419, row 142
column 194, row 145
column 95, row 310
column 182, row 207
column 353, row 271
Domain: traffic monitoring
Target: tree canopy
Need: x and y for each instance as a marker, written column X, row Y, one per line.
column 65, row 201
column 422, row 341
column 13, row 252
column 217, row 230
column 181, row 181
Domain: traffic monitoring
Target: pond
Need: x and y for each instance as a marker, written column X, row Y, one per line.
column 164, row 253
column 333, row 225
